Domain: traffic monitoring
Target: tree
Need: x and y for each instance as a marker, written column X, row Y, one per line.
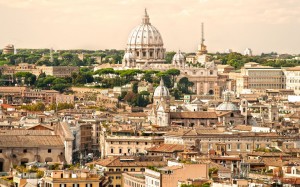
column 166, row 78
column 105, row 71
column 169, row 57
column 176, row 94
column 184, row 84
column 60, row 87
column 173, row 73
column 28, row 77
column 135, row 87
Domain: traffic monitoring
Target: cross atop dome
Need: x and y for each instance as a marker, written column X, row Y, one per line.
column 146, row 19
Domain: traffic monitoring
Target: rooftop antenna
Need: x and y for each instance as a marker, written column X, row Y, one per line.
column 202, row 33
column 51, row 55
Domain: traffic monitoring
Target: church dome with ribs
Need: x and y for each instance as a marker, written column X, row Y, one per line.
column 145, row 43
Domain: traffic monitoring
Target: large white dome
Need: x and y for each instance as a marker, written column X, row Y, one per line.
column 146, row 44
column 145, row 34
column 161, row 90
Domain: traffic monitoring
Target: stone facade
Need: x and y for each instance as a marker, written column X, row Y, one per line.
column 293, row 79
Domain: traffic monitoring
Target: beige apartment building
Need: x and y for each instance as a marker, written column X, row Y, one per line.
column 62, row 98
column 293, row 79
column 18, row 147
column 75, row 178
column 114, row 167
column 128, row 145
column 59, row 71
column 56, row 71
column 133, row 179
column 241, row 143
column 259, row 78
column 170, row 175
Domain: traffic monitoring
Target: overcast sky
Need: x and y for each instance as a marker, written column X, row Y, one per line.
column 262, row 25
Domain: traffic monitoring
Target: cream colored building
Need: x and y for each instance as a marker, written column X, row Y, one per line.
column 9, row 49
column 241, row 143
column 75, row 178
column 128, row 145
column 18, row 147
column 58, row 71
column 62, row 98
column 170, row 175
column 259, row 78
column 133, row 179
column 293, row 79
column 113, row 167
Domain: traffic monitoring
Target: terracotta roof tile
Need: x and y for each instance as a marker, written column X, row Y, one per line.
column 167, row 148
column 195, row 115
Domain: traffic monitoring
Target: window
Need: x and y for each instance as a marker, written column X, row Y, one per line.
column 238, row 146
column 257, row 146
column 25, row 151
column 128, row 150
column 120, row 151
column 118, row 177
column 111, row 150
column 62, row 185
column 0, row 150
column 146, row 143
column 88, row 185
column 125, row 169
column 118, row 169
column 143, row 169
column 111, row 170
column 132, row 169
column 49, row 150
column 118, row 185
column 229, row 147
column 286, row 146
column 75, row 185
column 248, row 147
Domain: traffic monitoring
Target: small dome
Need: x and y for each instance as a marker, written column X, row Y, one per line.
column 161, row 90
column 227, row 105
column 128, row 56
column 178, row 57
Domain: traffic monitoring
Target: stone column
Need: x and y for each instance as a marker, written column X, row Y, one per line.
column 140, row 53
column 198, row 88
